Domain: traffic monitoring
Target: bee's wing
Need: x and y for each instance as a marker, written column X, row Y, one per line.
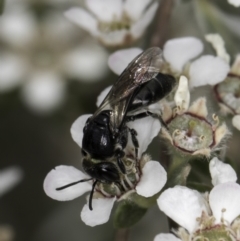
column 140, row 70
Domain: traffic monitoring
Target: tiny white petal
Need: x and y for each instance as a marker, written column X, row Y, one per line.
column 235, row 68
column 182, row 95
column 13, row 69
column 84, row 19
column 166, row 237
column 100, row 214
column 102, row 95
column 77, row 128
column 145, row 135
column 218, row 44
column 235, row 3
column 221, row 172
column 236, row 121
column 105, row 10
column 152, row 180
column 61, row 176
column 9, row 177
column 183, row 205
column 224, row 200
column 120, row 59
column 135, row 8
column 207, row 70
column 44, row 91
column 139, row 27
column 114, row 38
column 177, row 52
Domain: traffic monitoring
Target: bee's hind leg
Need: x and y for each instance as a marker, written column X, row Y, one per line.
column 119, row 155
column 134, row 141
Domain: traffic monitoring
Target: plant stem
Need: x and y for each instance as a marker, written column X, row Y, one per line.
column 122, row 234
column 162, row 21
column 178, row 171
column 1, row 6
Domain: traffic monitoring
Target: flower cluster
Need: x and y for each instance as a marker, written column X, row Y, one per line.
column 209, row 216
column 189, row 130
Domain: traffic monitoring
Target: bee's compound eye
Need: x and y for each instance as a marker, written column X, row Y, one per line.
column 84, row 153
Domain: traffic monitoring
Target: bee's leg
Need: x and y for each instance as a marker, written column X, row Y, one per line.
column 134, row 141
column 145, row 114
column 119, row 155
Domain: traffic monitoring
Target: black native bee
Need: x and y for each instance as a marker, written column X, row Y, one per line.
column 105, row 134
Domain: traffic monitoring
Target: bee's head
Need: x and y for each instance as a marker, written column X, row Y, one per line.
column 99, row 171
column 103, row 171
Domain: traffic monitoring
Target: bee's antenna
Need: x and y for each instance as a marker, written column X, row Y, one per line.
column 73, row 183
column 91, row 195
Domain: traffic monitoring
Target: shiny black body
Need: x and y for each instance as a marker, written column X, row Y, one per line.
column 100, row 141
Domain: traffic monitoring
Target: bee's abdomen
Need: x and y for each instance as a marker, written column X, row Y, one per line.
column 153, row 91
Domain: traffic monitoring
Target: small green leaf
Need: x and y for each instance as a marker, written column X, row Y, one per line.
column 127, row 214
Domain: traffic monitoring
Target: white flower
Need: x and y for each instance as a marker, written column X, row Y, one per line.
column 114, row 22
column 198, row 213
column 235, row 3
column 9, row 177
column 177, row 54
column 32, row 60
column 147, row 181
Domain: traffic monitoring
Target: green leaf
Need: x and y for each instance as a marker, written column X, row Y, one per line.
column 127, row 214
column 1, row 6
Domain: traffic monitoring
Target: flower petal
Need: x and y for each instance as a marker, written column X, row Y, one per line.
column 120, row 59
column 166, row 237
column 100, row 214
column 61, row 176
column 152, row 180
column 106, row 10
column 183, row 205
column 135, row 8
column 102, row 95
column 77, row 128
column 44, row 92
column 221, row 172
column 179, row 51
column 224, row 200
column 115, row 38
column 236, row 121
column 18, row 27
column 9, row 177
column 144, row 135
column 13, row 69
column 182, row 95
column 218, row 44
column 139, row 27
column 207, row 70
column 235, row 3
column 87, row 63
column 82, row 18
column 235, row 68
